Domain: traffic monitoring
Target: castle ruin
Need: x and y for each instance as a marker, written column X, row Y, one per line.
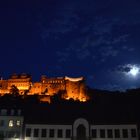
column 72, row 88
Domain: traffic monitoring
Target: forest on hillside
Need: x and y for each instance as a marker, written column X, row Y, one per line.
column 104, row 107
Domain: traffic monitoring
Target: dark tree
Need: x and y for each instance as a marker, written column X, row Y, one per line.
column 14, row 90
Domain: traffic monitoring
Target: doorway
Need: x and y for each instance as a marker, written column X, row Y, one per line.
column 81, row 132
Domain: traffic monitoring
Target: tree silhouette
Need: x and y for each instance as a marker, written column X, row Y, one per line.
column 14, row 90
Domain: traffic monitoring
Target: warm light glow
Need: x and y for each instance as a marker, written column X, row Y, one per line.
column 45, row 99
column 83, row 99
column 74, row 88
column 16, row 139
column 18, row 123
column 67, row 98
column 11, row 123
column 74, row 79
column 23, row 87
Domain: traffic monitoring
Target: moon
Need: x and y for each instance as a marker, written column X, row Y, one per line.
column 134, row 71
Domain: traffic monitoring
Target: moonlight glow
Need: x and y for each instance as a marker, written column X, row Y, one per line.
column 134, row 71
column 131, row 70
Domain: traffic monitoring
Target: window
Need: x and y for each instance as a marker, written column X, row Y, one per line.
column 3, row 112
column 94, row 133
column 43, row 133
column 68, row 133
column 133, row 133
column 1, row 134
column 1, row 122
column 102, row 133
column 125, row 133
column 13, row 134
column 10, row 134
column 11, row 123
column 28, row 132
column 51, row 133
column 36, row 132
column 18, row 123
column 17, row 134
column 117, row 133
column 12, row 112
column 109, row 133
column 59, row 133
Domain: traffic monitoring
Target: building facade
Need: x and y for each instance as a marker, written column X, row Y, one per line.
column 11, row 124
column 80, row 130
column 13, row 127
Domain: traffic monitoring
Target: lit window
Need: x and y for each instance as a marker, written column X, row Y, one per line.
column 11, row 123
column 18, row 123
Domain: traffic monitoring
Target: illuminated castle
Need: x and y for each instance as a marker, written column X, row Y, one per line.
column 74, row 88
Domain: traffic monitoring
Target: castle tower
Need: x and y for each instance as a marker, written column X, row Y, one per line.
column 43, row 78
column 75, row 88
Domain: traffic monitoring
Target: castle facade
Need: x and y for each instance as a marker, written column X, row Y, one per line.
column 74, row 88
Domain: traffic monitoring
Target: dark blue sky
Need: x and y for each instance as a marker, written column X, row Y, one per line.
column 98, row 39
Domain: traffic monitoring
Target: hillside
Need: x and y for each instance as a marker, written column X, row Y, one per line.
column 104, row 107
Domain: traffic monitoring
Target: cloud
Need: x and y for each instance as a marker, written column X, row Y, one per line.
column 109, row 51
column 127, row 67
column 129, row 49
column 129, row 71
column 123, row 77
column 124, row 68
column 95, row 39
column 85, row 32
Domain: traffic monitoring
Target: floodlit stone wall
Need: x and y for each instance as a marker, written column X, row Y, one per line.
column 74, row 88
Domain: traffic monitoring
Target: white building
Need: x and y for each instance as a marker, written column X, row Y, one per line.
column 13, row 128
column 80, row 130
column 11, row 124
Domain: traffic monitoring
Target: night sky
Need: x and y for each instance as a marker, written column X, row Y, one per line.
column 97, row 39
